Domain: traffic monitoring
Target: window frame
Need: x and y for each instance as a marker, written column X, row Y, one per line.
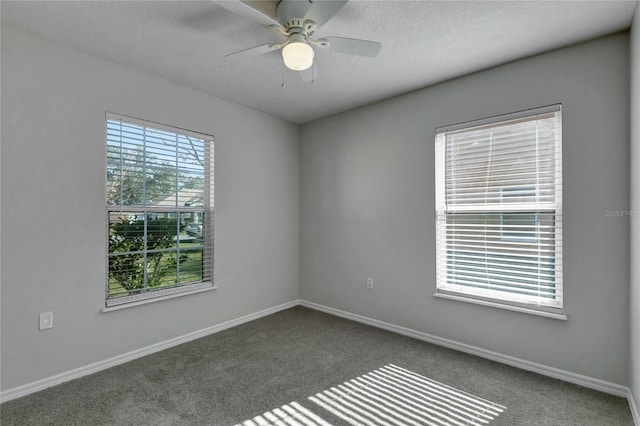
column 488, row 297
column 206, row 210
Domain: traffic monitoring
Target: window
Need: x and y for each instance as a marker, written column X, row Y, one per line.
column 159, row 203
column 499, row 210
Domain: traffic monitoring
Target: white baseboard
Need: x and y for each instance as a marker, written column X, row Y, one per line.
column 130, row 356
column 589, row 382
column 634, row 408
column 567, row 376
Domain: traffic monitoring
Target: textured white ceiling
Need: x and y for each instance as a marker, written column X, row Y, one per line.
column 424, row 42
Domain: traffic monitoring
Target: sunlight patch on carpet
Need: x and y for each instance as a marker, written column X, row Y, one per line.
column 388, row 396
column 292, row 414
column 393, row 395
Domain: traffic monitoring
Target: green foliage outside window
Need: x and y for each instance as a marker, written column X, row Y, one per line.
column 128, row 237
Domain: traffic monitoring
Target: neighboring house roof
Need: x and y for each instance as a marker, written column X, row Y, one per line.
column 186, row 197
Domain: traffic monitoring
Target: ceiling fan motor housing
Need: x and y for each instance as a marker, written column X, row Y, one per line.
column 300, row 26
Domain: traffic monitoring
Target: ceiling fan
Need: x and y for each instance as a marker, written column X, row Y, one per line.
column 297, row 21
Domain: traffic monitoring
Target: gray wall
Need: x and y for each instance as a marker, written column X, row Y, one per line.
column 53, row 218
column 367, row 209
column 635, row 207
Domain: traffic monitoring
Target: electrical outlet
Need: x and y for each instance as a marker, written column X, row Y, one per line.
column 370, row 283
column 46, row 320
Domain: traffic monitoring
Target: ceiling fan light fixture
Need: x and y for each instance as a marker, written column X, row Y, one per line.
column 297, row 56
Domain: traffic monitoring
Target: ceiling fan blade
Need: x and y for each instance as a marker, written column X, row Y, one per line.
column 255, row 51
column 319, row 11
column 289, row 9
column 323, row 10
column 267, row 7
column 246, row 10
column 354, row 46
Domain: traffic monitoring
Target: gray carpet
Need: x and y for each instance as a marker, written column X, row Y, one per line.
column 304, row 367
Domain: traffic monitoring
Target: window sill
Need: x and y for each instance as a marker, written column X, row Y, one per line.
column 169, row 294
column 531, row 311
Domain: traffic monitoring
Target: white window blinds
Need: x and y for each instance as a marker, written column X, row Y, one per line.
column 499, row 208
column 159, row 203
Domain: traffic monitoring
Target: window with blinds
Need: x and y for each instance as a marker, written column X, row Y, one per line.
column 159, row 204
column 499, row 209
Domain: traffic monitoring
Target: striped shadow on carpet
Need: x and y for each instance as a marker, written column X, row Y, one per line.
column 390, row 395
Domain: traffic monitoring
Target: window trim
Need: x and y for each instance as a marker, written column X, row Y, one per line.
column 160, row 295
column 556, row 312
column 208, row 209
column 515, row 307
